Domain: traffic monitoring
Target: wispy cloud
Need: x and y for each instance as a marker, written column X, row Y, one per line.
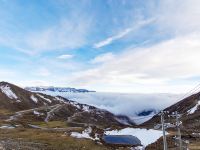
column 152, row 66
column 65, row 56
column 180, row 20
column 102, row 58
column 122, row 34
column 113, row 38
column 67, row 34
column 68, row 31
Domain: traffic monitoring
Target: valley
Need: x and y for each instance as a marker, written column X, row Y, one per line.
column 46, row 122
column 39, row 121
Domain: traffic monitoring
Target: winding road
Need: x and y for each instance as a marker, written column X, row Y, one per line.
column 20, row 113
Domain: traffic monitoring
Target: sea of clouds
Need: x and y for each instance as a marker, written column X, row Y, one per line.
column 122, row 103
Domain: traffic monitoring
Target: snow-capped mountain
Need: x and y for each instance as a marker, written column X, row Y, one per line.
column 56, row 89
column 14, row 98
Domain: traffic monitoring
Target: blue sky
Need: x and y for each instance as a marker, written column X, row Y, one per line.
column 105, row 45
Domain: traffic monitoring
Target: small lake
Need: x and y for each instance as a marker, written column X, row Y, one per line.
column 122, row 140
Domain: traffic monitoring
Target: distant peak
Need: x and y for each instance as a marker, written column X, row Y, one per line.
column 57, row 89
column 4, row 83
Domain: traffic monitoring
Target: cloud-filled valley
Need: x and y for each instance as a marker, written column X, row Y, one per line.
column 123, row 103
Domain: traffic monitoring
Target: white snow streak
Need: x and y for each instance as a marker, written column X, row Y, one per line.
column 84, row 134
column 7, row 127
column 34, row 98
column 48, row 100
column 36, row 113
column 7, row 90
column 85, row 108
column 60, row 99
column 193, row 109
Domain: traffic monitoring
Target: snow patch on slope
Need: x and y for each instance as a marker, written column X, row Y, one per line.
column 75, row 104
column 7, row 127
column 48, row 100
column 34, row 98
column 84, row 134
column 146, row 136
column 86, row 108
column 193, row 109
column 37, row 113
column 7, row 90
column 80, row 106
column 60, row 99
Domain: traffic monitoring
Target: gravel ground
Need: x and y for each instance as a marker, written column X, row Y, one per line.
column 10, row 144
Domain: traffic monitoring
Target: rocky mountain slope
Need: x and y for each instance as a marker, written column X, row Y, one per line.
column 32, row 120
column 188, row 111
column 31, row 106
column 14, row 98
column 188, row 108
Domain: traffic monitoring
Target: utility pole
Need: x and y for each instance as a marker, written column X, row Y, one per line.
column 163, row 129
column 179, row 130
column 178, row 123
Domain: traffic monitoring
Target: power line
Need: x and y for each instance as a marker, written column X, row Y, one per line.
column 178, row 116
column 192, row 91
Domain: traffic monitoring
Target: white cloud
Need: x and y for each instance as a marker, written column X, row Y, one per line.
column 67, row 34
column 155, row 68
column 69, row 30
column 179, row 16
column 170, row 60
column 122, row 34
column 65, row 56
column 126, row 104
column 111, row 39
column 102, row 58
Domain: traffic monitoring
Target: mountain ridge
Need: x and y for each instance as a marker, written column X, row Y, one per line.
column 56, row 89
